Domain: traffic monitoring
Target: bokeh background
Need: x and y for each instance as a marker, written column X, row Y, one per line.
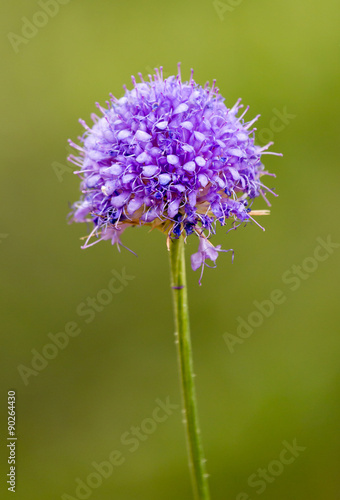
column 281, row 383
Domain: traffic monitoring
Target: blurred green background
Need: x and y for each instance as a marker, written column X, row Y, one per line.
column 281, row 383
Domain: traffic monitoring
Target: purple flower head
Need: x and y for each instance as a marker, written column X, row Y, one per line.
column 171, row 155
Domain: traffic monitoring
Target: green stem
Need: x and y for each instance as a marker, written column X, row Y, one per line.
column 181, row 312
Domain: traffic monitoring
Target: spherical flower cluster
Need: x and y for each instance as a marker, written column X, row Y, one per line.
column 169, row 154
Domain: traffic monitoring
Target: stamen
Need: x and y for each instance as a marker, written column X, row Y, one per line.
column 83, row 123
column 272, row 153
column 89, row 237
column 267, row 188
column 244, row 112
column 75, row 146
column 265, row 147
column 236, row 106
column 263, row 229
column 157, row 73
column 253, row 121
column 265, row 198
column 212, row 87
column 95, row 118
column 100, row 108
column 113, row 98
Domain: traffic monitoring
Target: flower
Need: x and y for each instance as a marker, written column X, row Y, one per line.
column 171, row 155
column 206, row 250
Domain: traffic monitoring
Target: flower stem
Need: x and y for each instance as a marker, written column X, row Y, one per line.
column 181, row 313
